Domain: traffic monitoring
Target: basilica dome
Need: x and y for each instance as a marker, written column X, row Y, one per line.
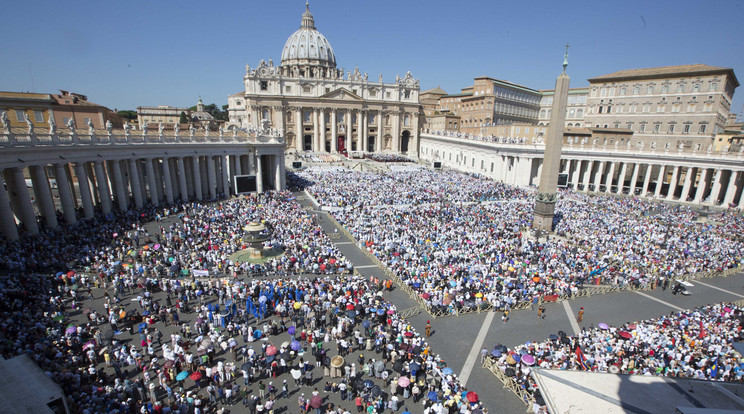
column 307, row 46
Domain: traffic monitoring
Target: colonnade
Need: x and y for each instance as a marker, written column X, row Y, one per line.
column 81, row 188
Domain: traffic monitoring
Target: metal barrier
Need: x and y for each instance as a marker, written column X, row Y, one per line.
column 509, row 384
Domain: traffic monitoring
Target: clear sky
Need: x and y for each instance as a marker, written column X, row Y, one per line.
column 125, row 54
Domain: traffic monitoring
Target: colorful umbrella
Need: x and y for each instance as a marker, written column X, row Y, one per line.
column 316, row 401
column 404, row 382
column 271, row 350
column 603, row 326
column 472, row 397
column 625, row 334
column 528, row 359
column 425, row 295
column 196, row 376
column 295, row 346
column 291, row 330
column 182, row 375
column 448, row 371
column 70, row 330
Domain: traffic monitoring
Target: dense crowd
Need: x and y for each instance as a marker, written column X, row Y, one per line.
column 695, row 343
column 387, row 157
column 464, row 243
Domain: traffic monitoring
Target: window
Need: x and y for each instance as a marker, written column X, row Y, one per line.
column 86, row 121
column 636, row 90
column 670, row 129
column 691, row 108
column 707, row 107
column 680, row 88
column 600, row 110
column 287, row 89
column 609, row 109
column 341, row 116
column 306, row 116
column 650, row 89
column 675, row 107
column 661, row 108
column 307, row 89
column 371, row 118
column 696, row 87
column 622, row 91
column 65, row 120
column 686, row 128
column 665, row 89
column 701, row 130
column 20, row 117
column 387, row 95
column 642, row 128
column 657, row 127
column 264, row 85
column 265, row 114
column 713, row 87
column 327, row 90
column 612, row 91
column 580, row 113
column 603, row 92
column 38, row 116
column 646, row 107
column 407, row 120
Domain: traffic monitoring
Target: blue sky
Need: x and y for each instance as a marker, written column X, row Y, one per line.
column 129, row 53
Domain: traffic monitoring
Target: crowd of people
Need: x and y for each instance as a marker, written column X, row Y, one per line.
column 696, row 343
column 465, row 244
column 387, row 157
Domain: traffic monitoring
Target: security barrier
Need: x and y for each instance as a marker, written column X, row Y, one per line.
column 509, row 384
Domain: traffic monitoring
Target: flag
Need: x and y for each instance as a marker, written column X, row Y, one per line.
column 714, row 369
column 582, row 359
column 702, row 333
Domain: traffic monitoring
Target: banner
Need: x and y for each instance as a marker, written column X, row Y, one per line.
column 200, row 273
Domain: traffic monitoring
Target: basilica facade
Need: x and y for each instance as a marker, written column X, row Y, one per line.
column 320, row 108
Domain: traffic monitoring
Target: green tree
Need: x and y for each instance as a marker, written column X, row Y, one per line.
column 184, row 119
column 128, row 114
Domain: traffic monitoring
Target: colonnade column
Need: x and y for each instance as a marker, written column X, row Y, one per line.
column 151, row 182
column 365, row 128
column 349, row 136
column 647, row 179
column 334, row 132
column 103, row 186
column 688, row 183
column 621, row 178
column 277, row 173
column 82, row 178
column 733, row 188
column 167, row 181
column 259, row 174
column 43, row 195
column 225, row 176
column 7, row 221
column 378, row 140
column 716, row 188
column 121, row 194
column 598, row 175
column 673, row 183
column 300, row 140
column 360, row 139
column 396, row 132
column 610, row 177
column 196, row 173
column 24, row 209
column 702, row 185
column 576, row 176
column 660, row 181
column 316, row 131
column 588, row 175
column 634, row 178
column 322, row 130
column 211, row 177
column 184, row 192
column 134, row 179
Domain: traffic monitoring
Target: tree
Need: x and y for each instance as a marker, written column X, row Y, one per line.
column 128, row 114
column 184, row 119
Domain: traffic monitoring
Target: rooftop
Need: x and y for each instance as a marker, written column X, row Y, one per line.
column 664, row 72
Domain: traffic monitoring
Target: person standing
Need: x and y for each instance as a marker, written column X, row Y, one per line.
column 428, row 329
column 580, row 317
column 541, row 312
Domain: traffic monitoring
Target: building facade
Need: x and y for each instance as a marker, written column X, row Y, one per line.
column 19, row 106
column 575, row 109
column 167, row 115
column 674, row 105
column 321, row 108
column 69, row 106
column 497, row 102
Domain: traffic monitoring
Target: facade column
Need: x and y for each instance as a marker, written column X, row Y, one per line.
column 225, row 177
column 134, row 179
column 277, row 173
column 167, row 181
column 660, row 181
column 360, row 139
column 151, row 182
column 300, row 140
column 597, row 175
column 334, row 132
column 43, row 195
column 103, row 187
column 142, row 172
column 84, row 188
column 588, row 175
column 65, row 195
column 211, row 177
column 204, row 176
column 19, row 191
column 349, row 136
column 322, row 130
column 7, row 221
column 621, row 178
column 647, row 179
column 716, row 188
column 184, row 190
column 610, row 177
column 673, row 183
column 365, row 128
column 396, row 132
column 576, row 175
column 634, row 178
column 121, row 193
column 238, row 165
column 259, row 174
column 316, row 130
column 196, row 173
column 688, row 183
column 732, row 189
column 702, row 185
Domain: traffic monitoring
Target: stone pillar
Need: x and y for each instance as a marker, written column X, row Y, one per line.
column 238, row 164
column 716, row 188
column 378, row 139
column 588, row 175
column 65, row 195
column 189, row 174
column 7, row 221
column 316, row 130
column 702, row 185
column 151, row 182
column 103, row 187
column 184, row 190
column 167, row 180
column 43, row 195
column 204, row 176
column 598, row 175
column 621, row 178
column 196, row 173
column 300, row 141
column 225, row 177
column 82, row 178
column 349, row 135
column 143, row 185
column 259, row 174
column 673, row 183
column 732, row 189
column 211, row 177
column 322, row 130
column 134, row 179
column 24, row 210
column 396, row 132
column 277, row 173
column 610, row 177
column 647, row 179
column 365, row 127
column 334, row 132
column 92, row 185
column 360, row 138
column 688, row 183
column 660, row 181
column 634, row 178
column 122, row 199
column 576, row 176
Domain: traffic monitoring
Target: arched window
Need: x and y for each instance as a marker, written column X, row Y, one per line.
column 407, row 120
column 580, row 113
column 265, row 114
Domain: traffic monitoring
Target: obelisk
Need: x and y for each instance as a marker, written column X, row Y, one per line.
column 547, row 191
